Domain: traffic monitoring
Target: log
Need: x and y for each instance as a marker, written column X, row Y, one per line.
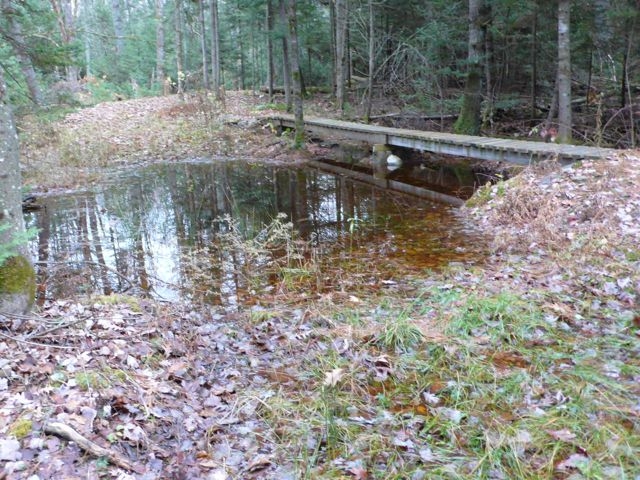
column 68, row 433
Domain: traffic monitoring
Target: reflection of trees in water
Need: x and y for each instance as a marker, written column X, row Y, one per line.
column 150, row 229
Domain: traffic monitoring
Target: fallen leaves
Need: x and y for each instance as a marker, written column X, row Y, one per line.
column 332, row 378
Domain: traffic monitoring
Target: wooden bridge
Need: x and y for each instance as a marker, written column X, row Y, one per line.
column 521, row 152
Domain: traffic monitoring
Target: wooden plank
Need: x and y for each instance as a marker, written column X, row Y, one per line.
column 520, row 152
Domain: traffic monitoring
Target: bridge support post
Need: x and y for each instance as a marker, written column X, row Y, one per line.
column 379, row 156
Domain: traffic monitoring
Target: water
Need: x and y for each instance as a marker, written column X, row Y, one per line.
column 157, row 230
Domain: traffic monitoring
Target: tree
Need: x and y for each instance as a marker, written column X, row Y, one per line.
column 294, row 57
column 371, row 69
column 16, row 39
column 180, row 74
column 159, row 18
column 564, row 72
column 470, row 114
column 286, row 63
column 203, row 44
column 17, row 277
column 270, row 63
column 215, row 50
column 342, row 12
column 65, row 12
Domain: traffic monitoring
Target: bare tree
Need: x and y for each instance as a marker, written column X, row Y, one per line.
column 203, row 44
column 372, row 53
column 296, row 75
column 179, row 49
column 215, row 50
column 116, row 13
column 270, row 63
column 342, row 12
column 159, row 17
column 564, row 72
column 286, row 63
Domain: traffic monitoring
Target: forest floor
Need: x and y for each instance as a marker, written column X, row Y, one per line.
column 527, row 366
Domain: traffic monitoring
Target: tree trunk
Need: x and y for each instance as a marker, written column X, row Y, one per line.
column 17, row 277
column 215, row 50
column 372, row 51
column 270, row 64
column 65, row 17
column 179, row 49
column 286, row 65
column 292, row 33
column 17, row 41
column 534, row 63
column 159, row 14
column 203, row 45
column 470, row 115
column 334, row 55
column 564, row 72
column 117, row 28
column 341, row 45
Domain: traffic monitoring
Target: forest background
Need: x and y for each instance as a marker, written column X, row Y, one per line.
column 413, row 56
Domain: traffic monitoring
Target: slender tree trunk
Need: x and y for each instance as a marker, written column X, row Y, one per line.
column 286, row 62
column 334, row 54
column 240, row 50
column 17, row 41
column 490, row 86
column 179, row 49
column 203, row 45
column 341, row 46
column 65, row 17
column 215, row 50
column 118, row 29
column 270, row 64
column 470, row 115
column 17, row 278
column 564, row 72
column 296, row 75
column 159, row 17
column 372, row 52
column 534, row 62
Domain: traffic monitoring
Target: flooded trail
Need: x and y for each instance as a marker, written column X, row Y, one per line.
column 158, row 230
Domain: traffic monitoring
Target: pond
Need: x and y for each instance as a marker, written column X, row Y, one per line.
column 225, row 232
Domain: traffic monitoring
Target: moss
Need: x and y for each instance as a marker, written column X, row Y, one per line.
column 17, row 277
column 117, row 299
column 21, row 428
column 91, row 381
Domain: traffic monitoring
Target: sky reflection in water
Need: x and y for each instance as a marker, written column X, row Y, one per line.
column 153, row 230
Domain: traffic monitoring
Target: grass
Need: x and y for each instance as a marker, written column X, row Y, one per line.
column 504, row 394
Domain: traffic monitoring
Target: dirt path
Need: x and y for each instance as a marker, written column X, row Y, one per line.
column 76, row 150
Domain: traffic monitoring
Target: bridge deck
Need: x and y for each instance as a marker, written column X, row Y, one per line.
column 521, row 152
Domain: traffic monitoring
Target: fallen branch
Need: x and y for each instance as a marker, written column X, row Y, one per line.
column 36, row 344
column 68, row 433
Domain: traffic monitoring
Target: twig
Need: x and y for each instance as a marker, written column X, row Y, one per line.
column 68, row 433
column 27, row 342
column 18, row 316
column 53, row 329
